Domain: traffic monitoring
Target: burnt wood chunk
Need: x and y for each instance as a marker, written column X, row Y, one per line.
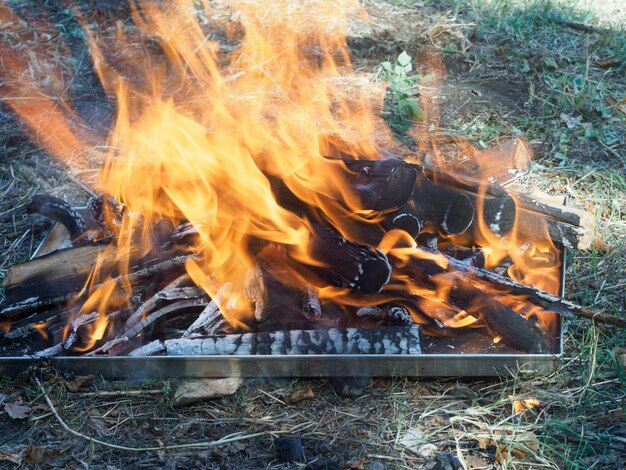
column 56, row 278
column 387, row 340
column 381, row 184
column 58, row 210
column 515, row 330
column 573, row 228
column 348, row 264
column 255, row 291
column 311, row 305
column 433, row 206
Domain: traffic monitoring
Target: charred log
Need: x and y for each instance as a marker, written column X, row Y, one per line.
column 56, row 278
column 347, row 264
column 469, row 294
column 388, row 340
column 380, row 184
column 391, row 314
column 438, row 207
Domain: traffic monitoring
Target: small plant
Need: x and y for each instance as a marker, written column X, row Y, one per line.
column 405, row 110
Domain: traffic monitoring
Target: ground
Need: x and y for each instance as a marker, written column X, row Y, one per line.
column 513, row 67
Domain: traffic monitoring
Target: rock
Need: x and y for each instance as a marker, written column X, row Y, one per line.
column 289, row 448
column 374, row 465
column 192, row 391
column 413, row 440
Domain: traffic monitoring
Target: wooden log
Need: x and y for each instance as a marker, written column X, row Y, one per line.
column 433, row 206
column 380, row 184
column 515, row 330
column 573, row 228
column 347, row 264
column 567, row 226
column 50, row 276
column 388, row 340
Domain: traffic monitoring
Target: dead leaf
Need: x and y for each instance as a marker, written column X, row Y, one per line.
column 475, row 462
column 299, row 395
column 17, row 410
column 12, row 456
column 75, row 384
column 35, row 455
column 414, row 441
column 383, row 383
column 356, row 464
column 3, row 397
column 525, row 404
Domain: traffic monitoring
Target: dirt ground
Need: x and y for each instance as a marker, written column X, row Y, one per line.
column 512, row 68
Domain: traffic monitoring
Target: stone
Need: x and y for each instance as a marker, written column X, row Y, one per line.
column 289, row 448
column 193, row 391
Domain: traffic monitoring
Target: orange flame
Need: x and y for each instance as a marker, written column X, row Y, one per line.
column 204, row 128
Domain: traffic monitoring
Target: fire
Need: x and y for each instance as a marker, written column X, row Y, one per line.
column 204, row 130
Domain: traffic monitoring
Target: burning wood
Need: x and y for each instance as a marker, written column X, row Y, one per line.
column 264, row 209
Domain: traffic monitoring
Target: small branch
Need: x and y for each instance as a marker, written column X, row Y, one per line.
column 546, row 301
column 311, row 306
column 194, row 445
column 586, row 28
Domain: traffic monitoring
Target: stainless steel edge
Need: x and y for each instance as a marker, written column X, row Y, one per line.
column 368, row 365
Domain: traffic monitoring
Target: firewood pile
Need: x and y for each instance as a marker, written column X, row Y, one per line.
column 153, row 307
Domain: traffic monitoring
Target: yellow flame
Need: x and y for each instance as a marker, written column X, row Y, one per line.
column 204, row 130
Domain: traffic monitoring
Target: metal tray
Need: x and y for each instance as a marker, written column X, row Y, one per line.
column 345, row 365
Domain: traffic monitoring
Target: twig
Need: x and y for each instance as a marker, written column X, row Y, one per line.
column 580, row 26
column 194, row 445
column 81, row 184
column 547, row 301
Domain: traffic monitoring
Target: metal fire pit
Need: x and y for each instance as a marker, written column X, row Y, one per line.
column 346, row 365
